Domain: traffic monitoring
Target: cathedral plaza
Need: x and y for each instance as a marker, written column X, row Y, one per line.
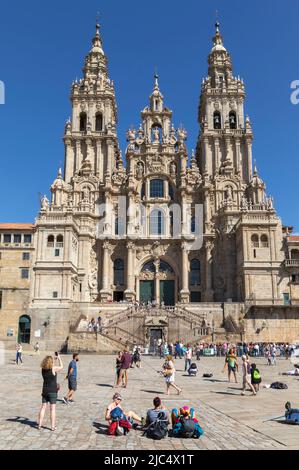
column 229, row 420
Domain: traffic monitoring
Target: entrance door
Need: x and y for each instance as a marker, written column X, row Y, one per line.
column 167, row 292
column 155, row 334
column 24, row 329
column 146, row 291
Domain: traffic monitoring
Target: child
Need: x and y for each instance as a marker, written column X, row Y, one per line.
column 255, row 377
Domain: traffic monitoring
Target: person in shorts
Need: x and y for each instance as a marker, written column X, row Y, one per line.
column 72, row 379
column 231, row 364
column 50, row 389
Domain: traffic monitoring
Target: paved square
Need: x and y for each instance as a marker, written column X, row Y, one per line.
column 230, row 421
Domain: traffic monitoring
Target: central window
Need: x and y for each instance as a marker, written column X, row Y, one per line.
column 156, row 188
column 156, row 222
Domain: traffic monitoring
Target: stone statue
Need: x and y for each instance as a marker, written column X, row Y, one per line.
column 44, row 202
column 156, row 134
column 229, row 193
column 172, row 168
column 139, row 170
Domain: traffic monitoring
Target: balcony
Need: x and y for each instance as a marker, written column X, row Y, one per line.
column 291, row 263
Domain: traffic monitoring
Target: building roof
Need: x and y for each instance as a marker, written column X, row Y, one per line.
column 294, row 238
column 13, row 226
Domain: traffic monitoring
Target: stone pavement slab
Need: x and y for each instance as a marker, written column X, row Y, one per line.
column 230, row 421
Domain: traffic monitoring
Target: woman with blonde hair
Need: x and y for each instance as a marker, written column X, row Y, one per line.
column 50, row 388
column 168, row 371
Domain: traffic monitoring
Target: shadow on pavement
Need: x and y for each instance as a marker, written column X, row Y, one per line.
column 105, row 385
column 21, row 420
column 225, row 393
column 151, row 391
column 101, row 428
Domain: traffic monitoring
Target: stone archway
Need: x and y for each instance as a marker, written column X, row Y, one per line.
column 158, row 283
column 24, row 329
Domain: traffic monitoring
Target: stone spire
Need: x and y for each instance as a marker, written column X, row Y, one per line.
column 95, row 61
column 156, row 98
column 219, row 59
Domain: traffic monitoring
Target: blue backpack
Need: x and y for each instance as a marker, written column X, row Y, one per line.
column 116, row 414
column 291, row 414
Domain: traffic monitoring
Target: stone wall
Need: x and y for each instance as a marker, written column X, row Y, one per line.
column 92, row 343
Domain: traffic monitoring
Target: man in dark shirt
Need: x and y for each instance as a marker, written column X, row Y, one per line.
column 72, row 379
column 126, row 360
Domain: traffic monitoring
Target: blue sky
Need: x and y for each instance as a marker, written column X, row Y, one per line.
column 42, row 48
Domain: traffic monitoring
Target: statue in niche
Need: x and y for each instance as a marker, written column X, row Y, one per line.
column 172, row 169
column 139, row 170
column 156, row 134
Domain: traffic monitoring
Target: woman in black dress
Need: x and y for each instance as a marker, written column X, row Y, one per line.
column 50, row 389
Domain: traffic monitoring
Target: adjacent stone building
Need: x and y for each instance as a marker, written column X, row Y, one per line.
column 194, row 235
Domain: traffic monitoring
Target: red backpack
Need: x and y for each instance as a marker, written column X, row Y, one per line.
column 112, row 428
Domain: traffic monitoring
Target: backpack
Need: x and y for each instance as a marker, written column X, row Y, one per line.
column 291, row 414
column 187, row 427
column 112, row 428
column 116, row 414
column 278, row 385
column 157, row 429
column 256, row 376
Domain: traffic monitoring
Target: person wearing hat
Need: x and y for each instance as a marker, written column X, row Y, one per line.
column 246, row 371
column 116, row 403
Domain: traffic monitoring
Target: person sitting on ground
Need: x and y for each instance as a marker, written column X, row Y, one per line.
column 152, row 413
column 130, row 415
column 193, row 369
column 184, row 423
column 255, row 377
column 291, row 372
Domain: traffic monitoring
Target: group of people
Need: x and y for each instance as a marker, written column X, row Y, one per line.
column 250, row 374
column 155, row 424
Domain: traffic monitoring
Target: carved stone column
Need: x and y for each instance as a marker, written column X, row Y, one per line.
column 130, row 293
column 105, row 293
column 185, row 293
column 209, row 291
column 157, row 282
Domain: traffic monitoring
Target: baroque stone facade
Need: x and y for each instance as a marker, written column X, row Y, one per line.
column 196, row 231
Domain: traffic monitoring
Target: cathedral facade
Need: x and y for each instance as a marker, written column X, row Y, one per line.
column 193, row 234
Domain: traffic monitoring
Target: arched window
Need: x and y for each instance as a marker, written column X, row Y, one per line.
column 264, row 241
column 156, row 222
column 149, row 266
column 99, row 122
column 59, row 241
column 83, row 122
column 156, row 188
column 170, row 191
column 255, row 241
column 165, row 267
column 50, row 240
column 119, row 277
column 232, row 120
column 217, row 120
column 24, row 329
column 194, row 272
column 171, row 223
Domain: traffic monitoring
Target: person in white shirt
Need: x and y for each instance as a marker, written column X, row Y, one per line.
column 188, row 357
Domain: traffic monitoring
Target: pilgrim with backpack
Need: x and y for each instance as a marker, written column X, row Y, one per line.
column 184, row 423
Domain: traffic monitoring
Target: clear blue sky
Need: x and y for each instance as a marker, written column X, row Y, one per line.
column 42, row 48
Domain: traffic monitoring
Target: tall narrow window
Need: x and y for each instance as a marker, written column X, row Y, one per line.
column 255, row 241
column 99, row 122
column 59, row 241
column 156, row 188
column 217, row 120
column 142, row 194
column 171, row 223
column 194, row 272
column 50, row 240
column 119, row 278
column 156, row 222
column 83, row 122
column 264, row 241
column 0, row 299
column 232, row 120
column 170, row 191
column 192, row 224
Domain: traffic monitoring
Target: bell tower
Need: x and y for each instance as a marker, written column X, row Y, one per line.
column 90, row 135
column 225, row 137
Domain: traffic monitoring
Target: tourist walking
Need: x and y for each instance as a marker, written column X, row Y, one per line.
column 188, row 357
column 246, row 373
column 168, row 371
column 50, row 389
column 255, row 377
column 19, row 349
column 231, row 364
column 36, row 348
column 72, row 375
column 118, row 366
column 126, row 360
